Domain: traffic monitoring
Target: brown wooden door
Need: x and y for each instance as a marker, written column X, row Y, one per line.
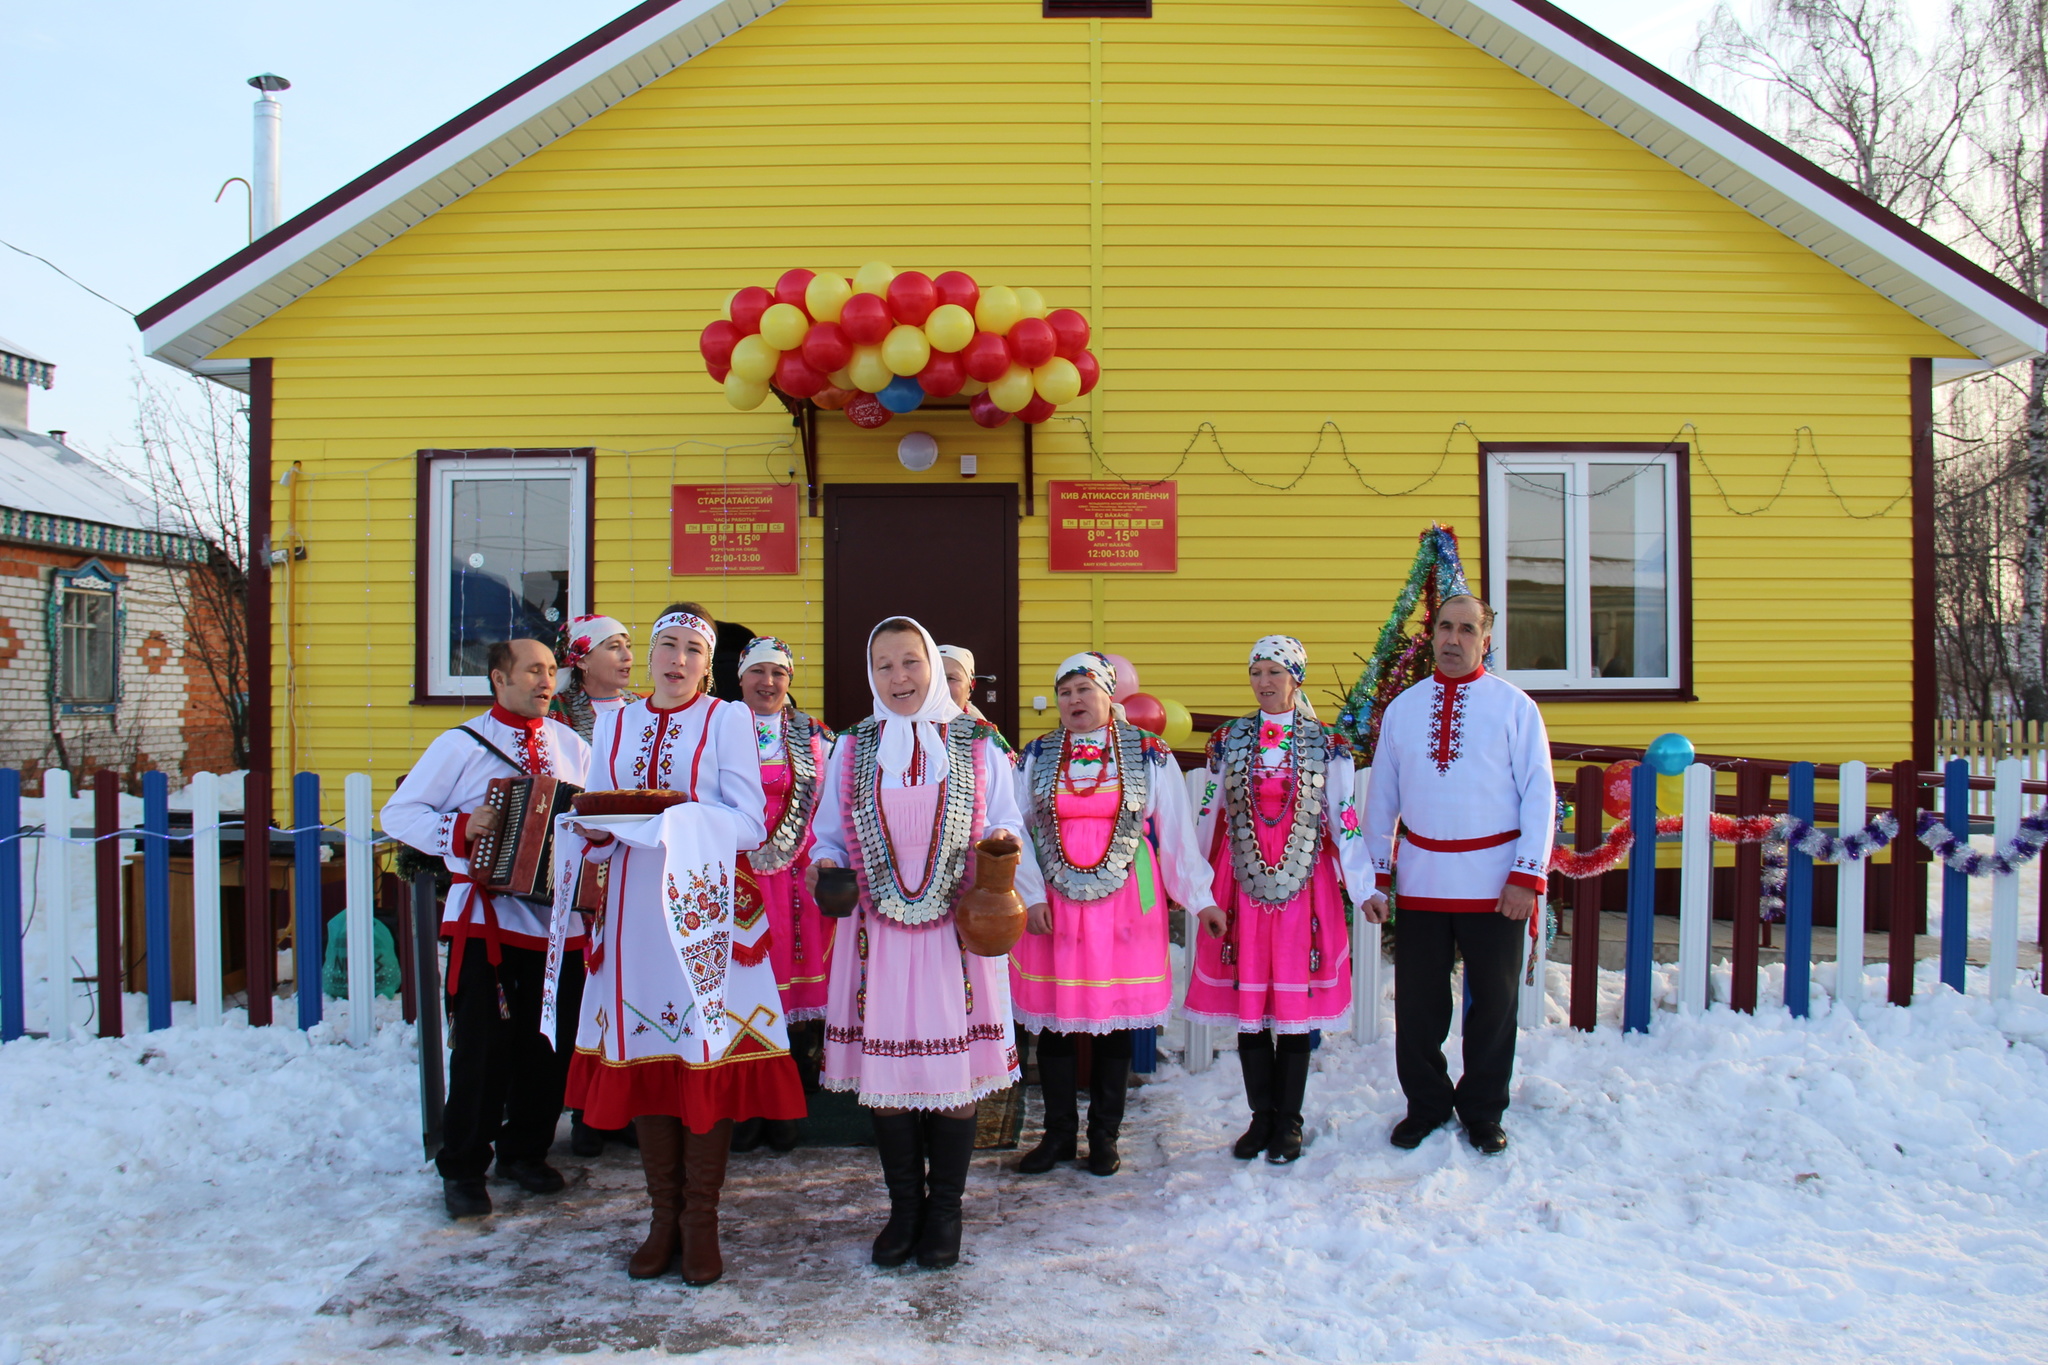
column 946, row 556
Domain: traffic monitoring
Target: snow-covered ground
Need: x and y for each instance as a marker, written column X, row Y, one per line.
column 1837, row 1189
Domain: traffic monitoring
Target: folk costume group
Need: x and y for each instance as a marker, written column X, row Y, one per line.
column 663, row 1012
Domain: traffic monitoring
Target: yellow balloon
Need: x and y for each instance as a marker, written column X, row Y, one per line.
column 1032, row 302
column 826, row 294
column 873, row 278
column 869, row 371
column 949, row 328
column 745, row 394
column 725, row 309
column 998, row 310
column 974, row 386
column 783, row 326
column 1013, row 391
column 1058, row 381
column 1180, row 726
column 754, row 359
column 905, row 351
column 841, row 379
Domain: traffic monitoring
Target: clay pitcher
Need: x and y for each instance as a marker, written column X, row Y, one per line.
column 989, row 915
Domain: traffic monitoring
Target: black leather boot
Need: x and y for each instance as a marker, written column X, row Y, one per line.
column 949, row 1148
column 1107, row 1088
column 899, row 1141
column 1255, row 1059
column 1057, row 1082
column 1290, row 1086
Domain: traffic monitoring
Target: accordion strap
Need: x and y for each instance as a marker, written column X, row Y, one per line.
column 509, row 761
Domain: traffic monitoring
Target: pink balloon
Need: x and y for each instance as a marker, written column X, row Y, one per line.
column 1126, row 677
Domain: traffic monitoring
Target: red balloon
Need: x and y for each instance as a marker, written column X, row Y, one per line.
column 1069, row 331
column 747, row 307
column 1090, row 368
column 796, row 378
column 790, row 288
column 866, row 410
column 865, row 320
column 1614, row 788
column 943, row 376
column 832, row 400
column 1037, row 410
column 1032, row 342
column 957, row 286
column 717, row 372
column 826, row 348
column 716, row 344
column 1144, row 711
column 912, row 296
column 984, row 411
column 987, row 357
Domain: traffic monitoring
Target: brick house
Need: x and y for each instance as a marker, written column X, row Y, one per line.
column 94, row 666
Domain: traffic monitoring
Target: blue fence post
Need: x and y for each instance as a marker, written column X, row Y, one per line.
column 307, row 935
column 1799, row 898
column 1955, row 887
column 1642, row 903
column 10, row 905
column 156, row 894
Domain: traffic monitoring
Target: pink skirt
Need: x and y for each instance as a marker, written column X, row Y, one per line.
column 1104, row 965
column 800, row 941
column 913, row 1020
column 1268, row 981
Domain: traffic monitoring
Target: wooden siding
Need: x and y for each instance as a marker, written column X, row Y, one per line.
column 1275, row 215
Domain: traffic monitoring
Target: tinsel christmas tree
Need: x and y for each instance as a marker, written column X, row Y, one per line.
column 1400, row 659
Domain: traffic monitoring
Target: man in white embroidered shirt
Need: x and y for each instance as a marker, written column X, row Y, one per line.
column 1462, row 770
column 504, row 1082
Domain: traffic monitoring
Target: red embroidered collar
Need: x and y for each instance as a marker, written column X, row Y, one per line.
column 1459, row 682
column 516, row 722
column 674, row 710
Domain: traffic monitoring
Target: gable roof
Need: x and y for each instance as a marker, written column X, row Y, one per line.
column 1753, row 170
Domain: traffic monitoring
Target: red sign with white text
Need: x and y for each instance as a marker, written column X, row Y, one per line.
column 1101, row 526
column 732, row 528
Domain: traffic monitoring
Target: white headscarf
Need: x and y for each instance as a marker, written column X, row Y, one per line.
column 961, row 655
column 1291, row 655
column 766, row 649
column 901, row 733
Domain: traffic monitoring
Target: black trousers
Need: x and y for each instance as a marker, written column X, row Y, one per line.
column 1493, row 946
column 504, row 1082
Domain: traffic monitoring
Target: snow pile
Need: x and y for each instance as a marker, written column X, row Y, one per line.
column 1844, row 1188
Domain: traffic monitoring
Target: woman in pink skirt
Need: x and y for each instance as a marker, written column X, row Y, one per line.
column 916, row 1025
column 792, row 748
column 1281, row 829
column 1095, row 960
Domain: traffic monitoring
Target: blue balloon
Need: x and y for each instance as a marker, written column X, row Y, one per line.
column 1669, row 754
column 904, row 394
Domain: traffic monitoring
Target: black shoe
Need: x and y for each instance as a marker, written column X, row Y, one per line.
column 1488, row 1136
column 899, row 1141
column 533, row 1176
column 1290, row 1089
column 1409, row 1132
column 747, row 1135
column 466, row 1198
column 1059, row 1085
column 1285, row 1145
column 1051, row 1150
column 1255, row 1138
column 1103, row 1158
column 584, row 1141
column 1108, row 1091
column 780, row 1134
column 949, row 1148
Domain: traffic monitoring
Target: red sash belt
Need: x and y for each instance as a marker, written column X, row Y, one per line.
column 1459, row 845
column 461, row 930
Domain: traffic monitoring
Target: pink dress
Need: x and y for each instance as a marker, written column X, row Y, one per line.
column 912, row 1019
column 800, row 937
column 1287, row 967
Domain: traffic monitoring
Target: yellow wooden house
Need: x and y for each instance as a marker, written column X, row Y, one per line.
column 1352, row 266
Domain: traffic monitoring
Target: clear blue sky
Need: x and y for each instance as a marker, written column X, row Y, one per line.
column 126, row 115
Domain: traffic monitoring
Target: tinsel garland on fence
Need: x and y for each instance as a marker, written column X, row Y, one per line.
column 1819, row 845
column 1729, row 829
column 1955, row 853
column 1398, row 661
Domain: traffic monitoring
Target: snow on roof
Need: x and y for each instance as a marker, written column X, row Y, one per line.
column 1753, row 170
column 41, row 474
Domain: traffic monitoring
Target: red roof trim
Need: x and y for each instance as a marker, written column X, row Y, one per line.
column 1820, row 179
column 391, row 166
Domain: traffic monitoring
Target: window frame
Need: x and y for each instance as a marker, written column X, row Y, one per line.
column 98, row 579
column 1674, row 686
column 432, row 685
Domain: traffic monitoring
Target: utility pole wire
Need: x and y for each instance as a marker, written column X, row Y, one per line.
column 67, row 275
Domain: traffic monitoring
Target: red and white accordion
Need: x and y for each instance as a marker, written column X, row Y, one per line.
column 517, row 858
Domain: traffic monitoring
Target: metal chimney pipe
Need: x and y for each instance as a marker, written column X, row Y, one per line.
column 266, row 192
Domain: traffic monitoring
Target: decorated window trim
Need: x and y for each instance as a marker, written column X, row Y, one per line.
column 433, row 684
column 1579, row 682
column 91, row 576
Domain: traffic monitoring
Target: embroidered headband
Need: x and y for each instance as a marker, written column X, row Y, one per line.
column 586, row 633
column 767, row 649
column 688, row 621
column 1285, row 651
column 959, row 654
column 1097, row 667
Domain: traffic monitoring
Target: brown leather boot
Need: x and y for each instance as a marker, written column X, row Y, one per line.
column 661, row 1156
column 703, row 1177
